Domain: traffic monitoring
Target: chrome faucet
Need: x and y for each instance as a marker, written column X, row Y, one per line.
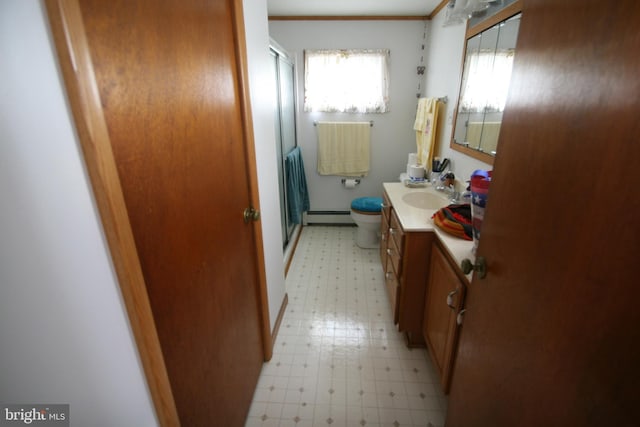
column 453, row 194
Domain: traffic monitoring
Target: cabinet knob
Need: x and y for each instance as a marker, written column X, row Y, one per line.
column 392, row 231
column 459, row 317
column 450, row 299
column 388, row 275
column 480, row 267
column 389, row 252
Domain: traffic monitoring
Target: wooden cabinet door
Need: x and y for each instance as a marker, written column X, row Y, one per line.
column 168, row 77
column 439, row 327
column 551, row 336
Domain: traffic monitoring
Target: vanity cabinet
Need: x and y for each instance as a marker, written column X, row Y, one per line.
column 444, row 298
column 403, row 255
column 384, row 228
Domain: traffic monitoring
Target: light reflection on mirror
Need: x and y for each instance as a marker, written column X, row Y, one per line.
column 485, row 84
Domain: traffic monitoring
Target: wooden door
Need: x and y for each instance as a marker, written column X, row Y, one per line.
column 551, row 337
column 168, row 76
column 443, row 300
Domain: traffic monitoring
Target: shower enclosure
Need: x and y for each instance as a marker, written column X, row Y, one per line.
column 285, row 124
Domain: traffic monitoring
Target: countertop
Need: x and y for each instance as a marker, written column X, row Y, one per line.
column 414, row 219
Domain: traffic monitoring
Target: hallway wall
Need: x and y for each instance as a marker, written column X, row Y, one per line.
column 64, row 332
column 261, row 88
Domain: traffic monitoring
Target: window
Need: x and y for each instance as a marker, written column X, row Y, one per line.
column 487, row 85
column 346, row 81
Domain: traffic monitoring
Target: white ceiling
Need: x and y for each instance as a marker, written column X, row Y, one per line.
column 351, row 7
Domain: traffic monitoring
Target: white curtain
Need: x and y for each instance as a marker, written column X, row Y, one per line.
column 487, row 84
column 348, row 81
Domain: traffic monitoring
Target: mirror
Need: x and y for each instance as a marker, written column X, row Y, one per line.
column 486, row 74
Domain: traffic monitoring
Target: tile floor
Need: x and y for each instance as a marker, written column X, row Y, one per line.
column 338, row 359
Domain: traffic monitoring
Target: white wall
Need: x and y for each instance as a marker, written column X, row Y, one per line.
column 64, row 334
column 444, row 65
column 392, row 134
column 261, row 86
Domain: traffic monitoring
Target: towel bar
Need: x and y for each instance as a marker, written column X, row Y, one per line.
column 315, row 123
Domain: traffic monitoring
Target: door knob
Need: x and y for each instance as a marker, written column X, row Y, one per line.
column 251, row 214
column 480, row 267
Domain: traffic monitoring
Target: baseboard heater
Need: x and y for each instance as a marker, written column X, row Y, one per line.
column 327, row 217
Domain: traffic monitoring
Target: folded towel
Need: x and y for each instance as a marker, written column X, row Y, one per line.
column 297, row 193
column 344, row 148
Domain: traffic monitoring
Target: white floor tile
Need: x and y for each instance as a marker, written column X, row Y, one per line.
column 338, row 358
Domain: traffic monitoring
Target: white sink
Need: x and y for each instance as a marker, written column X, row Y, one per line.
column 422, row 200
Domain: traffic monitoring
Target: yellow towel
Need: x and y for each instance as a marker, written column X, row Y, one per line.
column 425, row 127
column 343, row 148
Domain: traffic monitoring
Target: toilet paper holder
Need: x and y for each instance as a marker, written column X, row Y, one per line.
column 350, row 183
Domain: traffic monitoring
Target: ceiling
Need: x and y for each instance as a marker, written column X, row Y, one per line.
column 351, row 7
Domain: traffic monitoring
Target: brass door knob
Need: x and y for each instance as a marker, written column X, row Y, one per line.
column 251, row 214
column 480, row 266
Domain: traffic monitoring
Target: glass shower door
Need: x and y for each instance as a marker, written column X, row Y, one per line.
column 285, row 123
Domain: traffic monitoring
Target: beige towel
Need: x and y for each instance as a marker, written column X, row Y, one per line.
column 421, row 115
column 425, row 127
column 343, row 148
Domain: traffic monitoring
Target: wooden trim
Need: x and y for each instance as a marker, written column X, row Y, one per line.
column 276, row 327
column 69, row 35
column 293, row 251
column 347, row 18
column 478, row 155
column 249, row 144
column 513, row 9
column 438, row 8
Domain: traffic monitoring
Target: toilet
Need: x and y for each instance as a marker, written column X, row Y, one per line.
column 366, row 212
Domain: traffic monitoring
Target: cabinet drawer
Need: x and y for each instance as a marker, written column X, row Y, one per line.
column 391, row 283
column 386, row 205
column 384, row 237
column 396, row 233
column 394, row 257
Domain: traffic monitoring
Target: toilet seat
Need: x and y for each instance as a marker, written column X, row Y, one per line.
column 367, row 205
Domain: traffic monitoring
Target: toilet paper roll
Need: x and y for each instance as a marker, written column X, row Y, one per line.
column 350, row 183
column 416, row 172
column 413, row 159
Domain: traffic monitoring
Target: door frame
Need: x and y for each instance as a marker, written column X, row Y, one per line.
column 67, row 28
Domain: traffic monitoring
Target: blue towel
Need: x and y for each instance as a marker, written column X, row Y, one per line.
column 297, row 194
